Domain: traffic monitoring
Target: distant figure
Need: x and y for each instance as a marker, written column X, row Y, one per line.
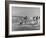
column 25, row 19
column 37, row 18
column 21, row 21
column 34, row 18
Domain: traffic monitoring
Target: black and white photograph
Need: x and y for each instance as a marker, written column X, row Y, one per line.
column 25, row 19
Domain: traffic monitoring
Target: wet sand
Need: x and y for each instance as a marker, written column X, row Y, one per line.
column 18, row 27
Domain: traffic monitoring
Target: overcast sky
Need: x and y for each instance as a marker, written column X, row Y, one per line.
column 25, row 11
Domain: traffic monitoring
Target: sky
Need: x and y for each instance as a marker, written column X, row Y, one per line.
column 25, row 11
